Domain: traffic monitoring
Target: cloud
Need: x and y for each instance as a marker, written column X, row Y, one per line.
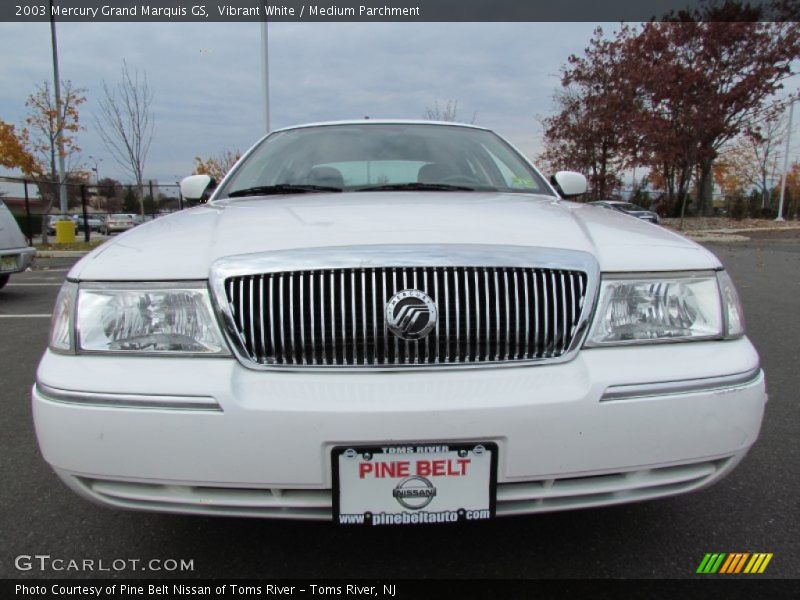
column 207, row 76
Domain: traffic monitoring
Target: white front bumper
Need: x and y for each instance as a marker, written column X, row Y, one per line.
column 275, row 430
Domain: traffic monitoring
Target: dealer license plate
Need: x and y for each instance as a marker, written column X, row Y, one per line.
column 8, row 263
column 413, row 484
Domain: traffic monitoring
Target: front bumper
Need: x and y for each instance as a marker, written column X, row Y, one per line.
column 218, row 438
column 23, row 257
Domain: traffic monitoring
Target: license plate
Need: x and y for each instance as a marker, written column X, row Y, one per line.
column 8, row 263
column 414, row 484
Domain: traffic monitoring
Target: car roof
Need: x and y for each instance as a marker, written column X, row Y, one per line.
column 382, row 122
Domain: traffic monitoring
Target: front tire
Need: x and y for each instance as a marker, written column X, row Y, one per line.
column 3, row 280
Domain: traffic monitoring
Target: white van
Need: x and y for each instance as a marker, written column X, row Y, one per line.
column 15, row 254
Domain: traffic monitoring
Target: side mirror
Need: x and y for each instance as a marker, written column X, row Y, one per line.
column 194, row 187
column 570, row 183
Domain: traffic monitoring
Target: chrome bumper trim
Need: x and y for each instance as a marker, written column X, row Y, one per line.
column 139, row 401
column 685, row 386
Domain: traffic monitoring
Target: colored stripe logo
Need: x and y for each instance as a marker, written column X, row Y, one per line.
column 734, row 563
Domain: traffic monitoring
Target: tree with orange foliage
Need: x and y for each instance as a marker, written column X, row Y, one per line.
column 13, row 150
column 792, row 199
column 42, row 139
column 217, row 166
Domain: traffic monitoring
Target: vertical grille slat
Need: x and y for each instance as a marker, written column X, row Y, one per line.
column 478, row 351
column 373, row 358
column 337, row 317
column 262, row 315
column 313, row 318
column 332, row 292
column 467, row 311
column 447, row 334
column 487, row 306
column 385, row 330
column 507, row 315
column 436, row 298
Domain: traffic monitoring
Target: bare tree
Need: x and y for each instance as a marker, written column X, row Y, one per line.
column 447, row 113
column 126, row 124
column 754, row 155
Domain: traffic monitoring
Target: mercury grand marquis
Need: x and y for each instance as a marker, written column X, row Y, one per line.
column 390, row 323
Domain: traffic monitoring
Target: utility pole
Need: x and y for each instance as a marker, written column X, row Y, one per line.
column 265, row 71
column 786, row 160
column 62, row 177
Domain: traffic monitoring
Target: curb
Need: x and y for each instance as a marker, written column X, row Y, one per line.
column 726, row 231
column 718, row 238
column 61, row 253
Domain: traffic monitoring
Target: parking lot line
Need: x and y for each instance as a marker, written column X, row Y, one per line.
column 33, row 316
column 32, row 284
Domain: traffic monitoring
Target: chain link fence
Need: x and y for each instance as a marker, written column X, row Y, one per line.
column 35, row 203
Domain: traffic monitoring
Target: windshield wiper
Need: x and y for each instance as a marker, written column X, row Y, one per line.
column 283, row 188
column 423, row 187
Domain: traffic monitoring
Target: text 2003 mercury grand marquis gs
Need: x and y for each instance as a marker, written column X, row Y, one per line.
column 389, row 322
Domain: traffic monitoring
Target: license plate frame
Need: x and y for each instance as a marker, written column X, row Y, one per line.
column 402, row 491
column 8, row 263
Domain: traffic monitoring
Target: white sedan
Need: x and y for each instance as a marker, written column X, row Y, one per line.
column 15, row 254
column 391, row 323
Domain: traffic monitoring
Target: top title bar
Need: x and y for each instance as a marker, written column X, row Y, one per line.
column 386, row 10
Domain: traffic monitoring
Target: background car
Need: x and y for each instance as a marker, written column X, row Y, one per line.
column 628, row 209
column 95, row 222
column 118, row 222
column 15, row 254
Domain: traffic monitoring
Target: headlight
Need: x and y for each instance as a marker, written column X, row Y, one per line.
column 676, row 307
column 731, row 306
column 152, row 318
column 61, row 329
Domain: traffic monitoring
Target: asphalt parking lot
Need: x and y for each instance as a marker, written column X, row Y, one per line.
column 755, row 509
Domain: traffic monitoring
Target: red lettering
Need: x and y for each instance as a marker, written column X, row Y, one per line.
column 384, row 469
column 442, row 467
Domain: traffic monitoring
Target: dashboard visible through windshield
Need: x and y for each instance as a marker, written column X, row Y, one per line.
column 383, row 157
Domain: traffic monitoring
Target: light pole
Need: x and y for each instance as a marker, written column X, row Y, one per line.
column 62, row 177
column 265, row 71
column 786, row 160
column 96, row 169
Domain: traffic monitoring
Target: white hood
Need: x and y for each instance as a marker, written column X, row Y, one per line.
column 185, row 244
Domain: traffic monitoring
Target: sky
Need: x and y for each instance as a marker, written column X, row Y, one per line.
column 206, row 77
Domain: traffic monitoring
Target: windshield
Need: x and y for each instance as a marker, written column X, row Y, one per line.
column 384, row 156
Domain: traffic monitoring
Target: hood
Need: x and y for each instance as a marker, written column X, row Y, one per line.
column 185, row 244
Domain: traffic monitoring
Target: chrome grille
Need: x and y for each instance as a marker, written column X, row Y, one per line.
column 335, row 317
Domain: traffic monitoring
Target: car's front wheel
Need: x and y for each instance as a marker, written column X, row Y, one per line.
column 3, row 280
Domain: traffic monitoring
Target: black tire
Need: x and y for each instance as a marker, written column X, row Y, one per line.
column 3, row 280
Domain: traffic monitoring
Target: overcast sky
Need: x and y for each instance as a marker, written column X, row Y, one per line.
column 207, row 77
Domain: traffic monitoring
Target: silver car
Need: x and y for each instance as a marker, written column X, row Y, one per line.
column 119, row 222
column 15, row 254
